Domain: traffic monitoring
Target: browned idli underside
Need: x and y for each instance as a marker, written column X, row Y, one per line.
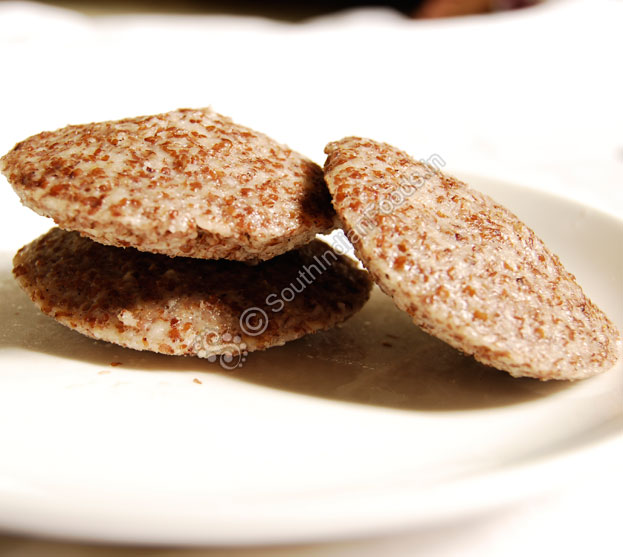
column 465, row 268
column 185, row 183
column 188, row 306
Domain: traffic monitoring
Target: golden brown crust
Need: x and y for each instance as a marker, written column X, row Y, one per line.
column 188, row 182
column 187, row 306
column 465, row 268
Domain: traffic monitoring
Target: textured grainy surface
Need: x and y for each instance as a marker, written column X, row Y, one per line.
column 188, row 182
column 465, row 268
column 182, row 305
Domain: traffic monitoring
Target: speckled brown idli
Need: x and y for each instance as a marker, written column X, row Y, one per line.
column 188, row 306
column 185, row 183
column 465, row 268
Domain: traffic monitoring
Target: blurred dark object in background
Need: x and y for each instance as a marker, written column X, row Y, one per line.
column 287, row 10
column 451, row 8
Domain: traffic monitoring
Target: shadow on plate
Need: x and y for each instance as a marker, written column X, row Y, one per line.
column 377, row 358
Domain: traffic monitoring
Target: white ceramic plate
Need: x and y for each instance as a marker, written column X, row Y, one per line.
column 371, row 427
